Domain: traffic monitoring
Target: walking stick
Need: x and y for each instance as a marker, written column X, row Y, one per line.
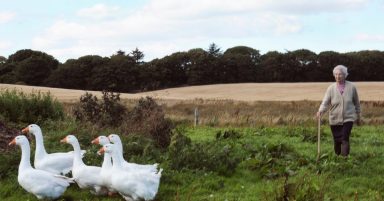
column 318, row 138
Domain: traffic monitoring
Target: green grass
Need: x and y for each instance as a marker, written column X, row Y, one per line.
column 264, row 151
column 17, row 106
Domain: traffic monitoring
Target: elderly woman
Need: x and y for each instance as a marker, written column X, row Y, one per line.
column 342, row 100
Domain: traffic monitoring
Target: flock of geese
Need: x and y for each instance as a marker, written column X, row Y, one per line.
column 47, row 179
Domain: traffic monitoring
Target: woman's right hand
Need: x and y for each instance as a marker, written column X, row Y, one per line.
column 318, row 114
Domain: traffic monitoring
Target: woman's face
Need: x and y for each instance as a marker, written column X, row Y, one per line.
column 339, row 76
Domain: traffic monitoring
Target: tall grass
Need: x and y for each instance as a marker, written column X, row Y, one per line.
column 252, row 114
column 266, row 113
column 17, row 106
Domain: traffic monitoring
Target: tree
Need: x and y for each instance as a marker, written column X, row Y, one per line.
column 365, row 65
column 240, row 64
column 327, row 60
column 75, row 73
column 7, row 73
column 2, row 60
column 32, row 67
column 200, row 67
column 300, row 63
column 214, row 50
column 120, row 52
column 169, row 71
column 137, row 55
column 120, row 74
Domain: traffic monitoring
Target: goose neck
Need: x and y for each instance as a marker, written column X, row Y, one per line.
column 119, row 151
column 107, row 163
column 25, row 157
column 40, row 149
column 77, row 154
column 117, row 162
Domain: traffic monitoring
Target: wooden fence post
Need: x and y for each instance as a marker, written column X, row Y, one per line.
column 196, row 116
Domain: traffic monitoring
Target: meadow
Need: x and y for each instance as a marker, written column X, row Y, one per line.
column 240, row 150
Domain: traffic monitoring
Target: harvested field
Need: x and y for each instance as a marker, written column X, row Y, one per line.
column 368, row 91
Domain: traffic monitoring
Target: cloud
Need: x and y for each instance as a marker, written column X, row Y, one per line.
column 4, row 45
column 98, row 11
column 170, row 25
column 374, row 38
column 6, row 16
column 205, row 8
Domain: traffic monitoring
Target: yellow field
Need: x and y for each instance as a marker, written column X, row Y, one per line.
column 368, row 91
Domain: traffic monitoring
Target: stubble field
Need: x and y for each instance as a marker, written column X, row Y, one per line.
column 368, row 91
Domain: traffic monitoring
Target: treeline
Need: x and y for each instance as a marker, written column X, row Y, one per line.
column 127, row 72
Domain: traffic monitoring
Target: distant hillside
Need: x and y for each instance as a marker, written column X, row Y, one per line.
column 368, row 91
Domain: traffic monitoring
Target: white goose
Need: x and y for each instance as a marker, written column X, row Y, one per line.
column 84, row 175
column 57, row 163
column 115, row 139
column 44, row 185
column 106, row 166
column 131, row 185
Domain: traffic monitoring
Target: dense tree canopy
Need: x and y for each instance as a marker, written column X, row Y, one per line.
column 123, row 72
column 30, row 67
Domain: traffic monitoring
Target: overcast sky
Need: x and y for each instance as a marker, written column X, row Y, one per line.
column 69, row 29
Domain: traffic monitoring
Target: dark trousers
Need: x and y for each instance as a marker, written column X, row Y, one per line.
column 341, row 135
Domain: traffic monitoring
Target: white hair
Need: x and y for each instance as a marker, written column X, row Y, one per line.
column 343, row 69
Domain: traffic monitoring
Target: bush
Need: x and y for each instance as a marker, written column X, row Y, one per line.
column 105, row 112
column 140, row 149
column 306, row 187
column 148, row 118
column 228, row 134
column 275, row 160
column 218, row 156
column 18, row 107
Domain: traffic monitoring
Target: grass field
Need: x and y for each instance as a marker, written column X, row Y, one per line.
column 240, row 151
column 275, row 163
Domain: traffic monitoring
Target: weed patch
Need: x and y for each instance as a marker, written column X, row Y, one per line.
column 19, row 107
column 215, row 156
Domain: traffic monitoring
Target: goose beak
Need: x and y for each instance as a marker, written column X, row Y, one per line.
column 25, row 130
column 101, row 151
column 64, row 140
column 95, row 141
column 13, row 142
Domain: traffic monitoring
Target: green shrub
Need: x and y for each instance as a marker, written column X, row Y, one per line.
column 305, row 187
column 140, row 149
column 218, row 156
column 228, row 134
column 275, row 160
column 330, row 162
column 37, row 107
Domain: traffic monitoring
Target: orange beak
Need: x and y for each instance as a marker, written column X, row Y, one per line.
column 95, row 141
column 101, row 150
column 25, row 130
column 64, row 140
column 13, row 142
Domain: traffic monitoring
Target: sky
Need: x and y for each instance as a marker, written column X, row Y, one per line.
column 69, row 29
